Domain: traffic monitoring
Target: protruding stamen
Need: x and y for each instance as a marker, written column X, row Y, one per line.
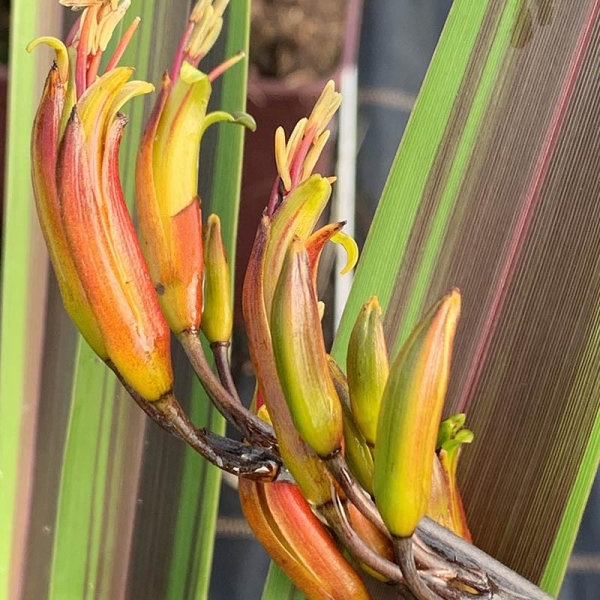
column 108, row 20
column 207, row 18
column 314, row 154
column 324, row 109
column 284, row 153
column 296, row 137
column 122, row 46
column 225, row 65
column 88, row 18
column 297, row 159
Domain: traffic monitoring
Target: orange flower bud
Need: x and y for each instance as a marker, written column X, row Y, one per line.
column 102, row 239
column 44, row 147
column 297, row 541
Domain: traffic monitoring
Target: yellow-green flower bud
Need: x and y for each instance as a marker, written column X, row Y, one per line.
column 368, row 368
column 217, row 315
column 410, row 416
column 301, row 358
column 356, row 451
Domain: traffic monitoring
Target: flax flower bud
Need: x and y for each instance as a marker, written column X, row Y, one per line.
column 410, row 416
column 308, row 470
column 285, row 525
column 356, row 451
column 44, row 148
column 88, row 231
column 102, row 239
column 301, row 358
column 368, row 368
column 217, row 315
column 167, row 203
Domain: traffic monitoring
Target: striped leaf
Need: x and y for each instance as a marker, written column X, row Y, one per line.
column 24, row 270
column 494, row 190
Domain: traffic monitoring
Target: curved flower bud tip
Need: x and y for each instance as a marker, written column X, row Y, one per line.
column 409, row 419
column 62, row 55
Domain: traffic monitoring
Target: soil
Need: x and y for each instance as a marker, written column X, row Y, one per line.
column 297, row 39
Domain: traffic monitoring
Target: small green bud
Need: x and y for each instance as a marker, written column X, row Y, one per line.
column 368, row 368
column 217, row 315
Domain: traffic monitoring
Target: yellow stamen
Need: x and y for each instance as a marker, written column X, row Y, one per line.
column 109, row 14
column 220, row 6
column 107, row 24
column 313, row 155
column 295, row 139
column 198, row 9
column 324, row 109
column 62, row 55
column 211, row 38
column 208, row 22
column 281, row 158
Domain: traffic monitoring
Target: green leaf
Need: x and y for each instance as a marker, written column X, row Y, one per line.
column 193, row 542
column 82, row 500
column 23, row 270
column 493, row 191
